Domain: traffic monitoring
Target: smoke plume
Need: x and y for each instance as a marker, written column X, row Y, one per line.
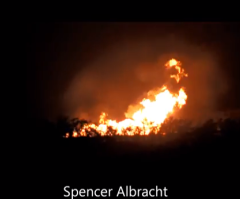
column 122, row 75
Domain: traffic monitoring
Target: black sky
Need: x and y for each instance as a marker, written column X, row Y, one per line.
column 58, row 54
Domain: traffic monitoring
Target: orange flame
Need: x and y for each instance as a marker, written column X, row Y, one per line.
column 75, row 134
column 176, row 64
column 149, row 117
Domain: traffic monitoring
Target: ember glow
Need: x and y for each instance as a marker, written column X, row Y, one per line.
column 147, row 116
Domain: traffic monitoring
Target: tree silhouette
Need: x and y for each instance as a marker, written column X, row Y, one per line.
column 63, row 126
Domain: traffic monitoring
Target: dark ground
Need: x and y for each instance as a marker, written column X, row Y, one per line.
column 194, row 164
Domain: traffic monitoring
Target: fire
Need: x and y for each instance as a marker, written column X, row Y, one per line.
column 177, row 65
column 147, row 116
column 75, row 134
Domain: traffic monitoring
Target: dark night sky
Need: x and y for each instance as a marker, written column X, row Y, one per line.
column 66, row 60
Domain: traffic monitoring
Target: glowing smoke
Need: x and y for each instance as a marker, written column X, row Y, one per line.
column 123, row 74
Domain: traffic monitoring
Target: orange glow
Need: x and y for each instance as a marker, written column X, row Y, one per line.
column 148, row 115
column 75, row 134
column 66, row 136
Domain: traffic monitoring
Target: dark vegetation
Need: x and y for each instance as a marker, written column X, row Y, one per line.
column 202, row 160
column 180, row 140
